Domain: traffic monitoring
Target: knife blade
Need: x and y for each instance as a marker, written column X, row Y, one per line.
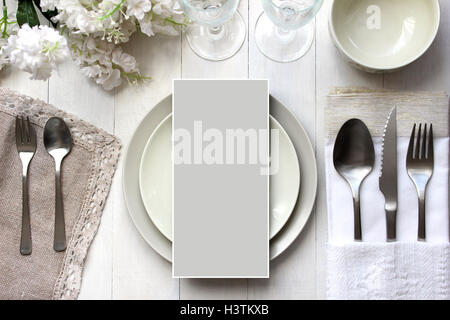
column 388, row 176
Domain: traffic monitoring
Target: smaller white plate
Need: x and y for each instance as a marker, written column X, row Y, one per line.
column 155, row 179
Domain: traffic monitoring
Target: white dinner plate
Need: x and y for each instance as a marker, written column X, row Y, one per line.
column 157, row 240
column 155, row 179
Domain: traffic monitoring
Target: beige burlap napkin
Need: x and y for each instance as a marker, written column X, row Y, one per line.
column 86, row 178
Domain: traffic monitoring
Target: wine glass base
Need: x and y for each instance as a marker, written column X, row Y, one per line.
column 283, row 46
column 220, row 43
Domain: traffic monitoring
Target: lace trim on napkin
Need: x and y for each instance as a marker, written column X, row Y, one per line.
column 106, row 150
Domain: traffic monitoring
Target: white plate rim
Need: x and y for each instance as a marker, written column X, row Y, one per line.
column 147, row 144
column 296, row 222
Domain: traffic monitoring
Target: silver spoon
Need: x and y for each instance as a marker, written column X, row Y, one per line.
column 354, row 158
column 58, row 142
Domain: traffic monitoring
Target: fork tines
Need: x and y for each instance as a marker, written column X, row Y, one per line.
column 26, row 147
column 420, row 166
column 421, row 147
column 24, row 132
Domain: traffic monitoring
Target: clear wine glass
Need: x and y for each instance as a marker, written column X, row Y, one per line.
column 285, row 31
column 218, row 31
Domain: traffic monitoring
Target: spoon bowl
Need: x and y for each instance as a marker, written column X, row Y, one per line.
column 57, row 138
column 58, row 143
column 353, row 159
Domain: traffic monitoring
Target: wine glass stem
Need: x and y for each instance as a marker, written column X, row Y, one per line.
column 284, row 35
column 216, row 32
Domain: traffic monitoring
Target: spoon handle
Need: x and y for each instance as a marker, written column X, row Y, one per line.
column 59, row 243
column 357, row 218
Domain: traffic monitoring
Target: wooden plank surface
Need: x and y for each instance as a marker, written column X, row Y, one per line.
column 292, row 275
column 138, row 271
column 331, row 70
column 120, row 264
column 234, row 68
column 80, row 96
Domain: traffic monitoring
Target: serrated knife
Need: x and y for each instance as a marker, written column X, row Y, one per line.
column 388, row 177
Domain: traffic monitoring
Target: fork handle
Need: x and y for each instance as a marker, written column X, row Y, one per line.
column 59, row 242
column 421, row 230
column 25, row 238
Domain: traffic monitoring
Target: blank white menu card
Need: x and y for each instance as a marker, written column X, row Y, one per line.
column 220, row 154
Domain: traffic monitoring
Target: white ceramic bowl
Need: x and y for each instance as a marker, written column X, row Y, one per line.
column 383, row 35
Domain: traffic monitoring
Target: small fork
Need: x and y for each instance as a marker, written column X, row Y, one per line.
column 26, row 147
column 420, row 164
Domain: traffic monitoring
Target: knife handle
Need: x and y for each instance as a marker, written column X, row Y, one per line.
column 391, row 225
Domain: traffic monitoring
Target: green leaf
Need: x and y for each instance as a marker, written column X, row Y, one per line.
column 26, row 13
column 47, row 14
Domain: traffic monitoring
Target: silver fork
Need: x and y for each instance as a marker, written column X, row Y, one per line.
column 26, row 146
column 420, row 164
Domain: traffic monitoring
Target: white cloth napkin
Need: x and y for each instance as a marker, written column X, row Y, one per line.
column 375, row 269
column 394, row 270
column 373, row 219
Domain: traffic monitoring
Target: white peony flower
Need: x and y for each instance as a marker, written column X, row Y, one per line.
column 110, row 80
column 93, row 71
column 167, row 8
column 138, row 8
column 4, row 59
column 74, row 15
column 37, row 50
column 11, row 29
column 86, row 23
column 94, row 30
column 145, row 25
column 94, row 56
column 162, row 26
column 168, row 15
column 47, row 5
column 124, row 60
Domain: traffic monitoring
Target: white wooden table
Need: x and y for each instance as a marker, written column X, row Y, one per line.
column 120, row 264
